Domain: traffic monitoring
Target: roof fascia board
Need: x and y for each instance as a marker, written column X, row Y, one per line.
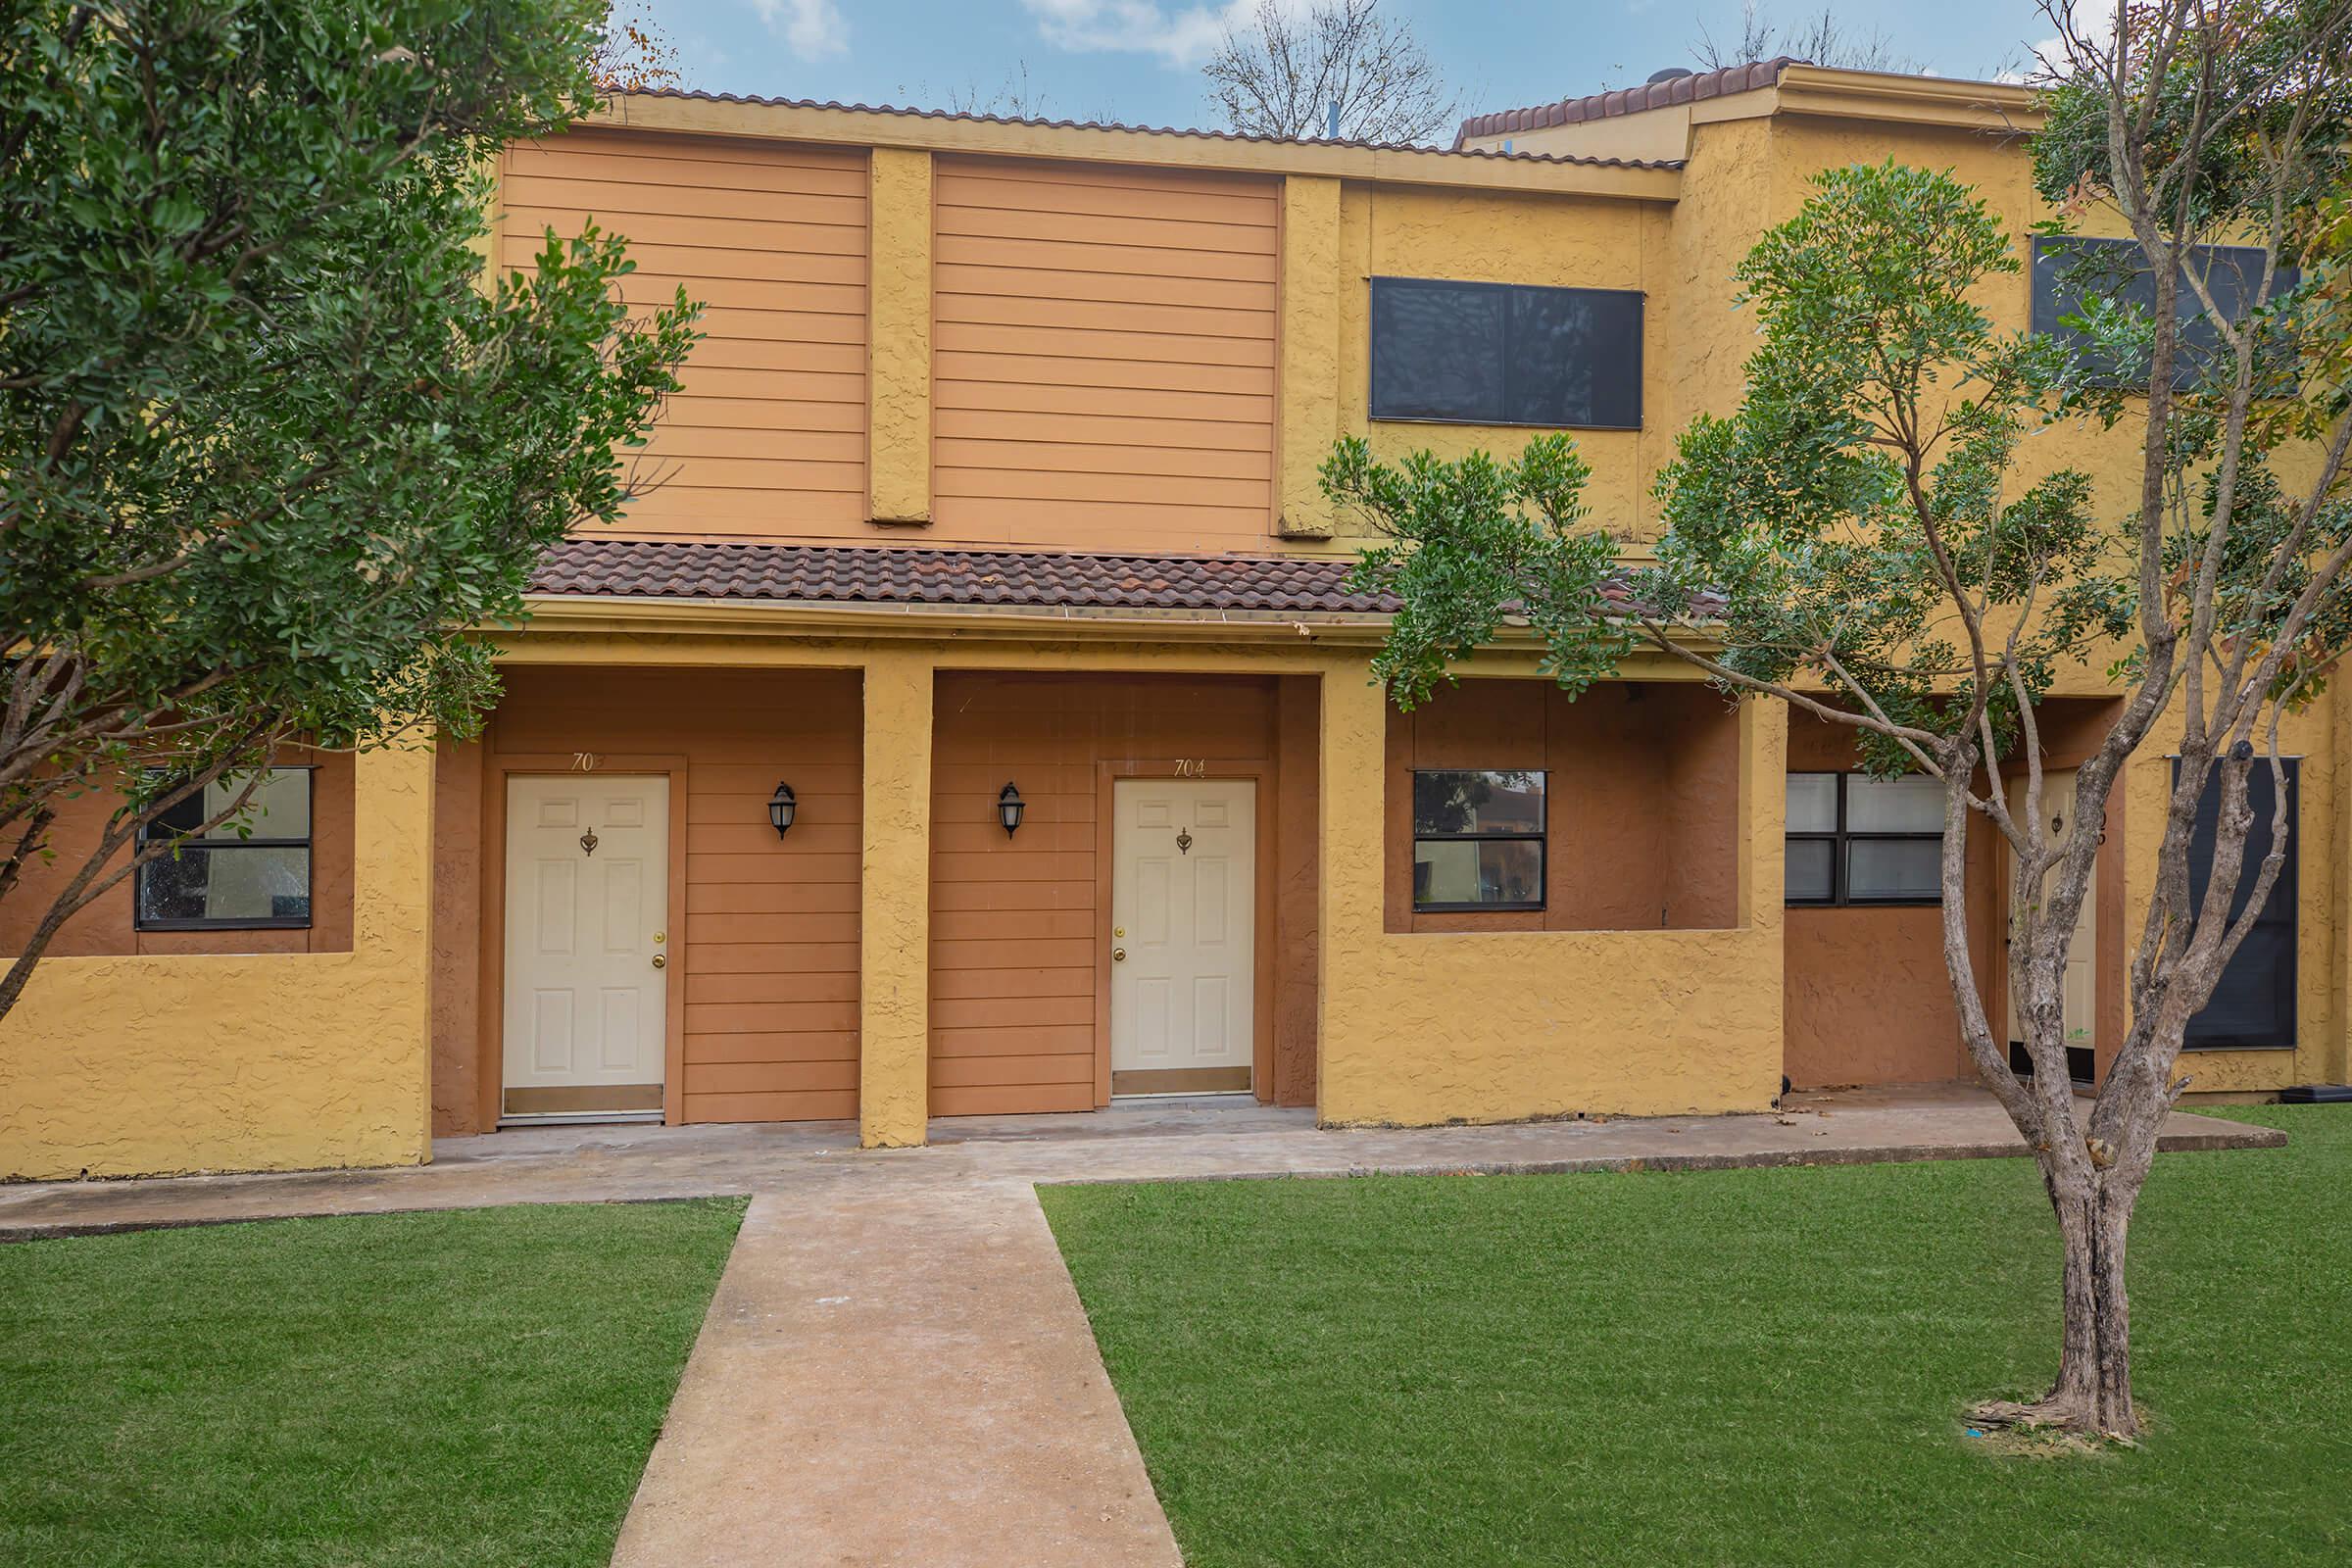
column 866, row 127
column 1993, row 106
column 582, row 614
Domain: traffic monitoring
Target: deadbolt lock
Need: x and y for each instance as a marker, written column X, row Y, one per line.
column 661, row 937
column 1118, row 930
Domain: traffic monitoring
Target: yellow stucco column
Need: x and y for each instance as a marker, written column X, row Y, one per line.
column 1763, row 813
column 1352, row 821
column 1310, row 353
column 898, row 387
column 893, row 990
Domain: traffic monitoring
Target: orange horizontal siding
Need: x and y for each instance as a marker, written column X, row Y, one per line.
column 1104, row 355
column 1015, row 927
column 766, row 950
column 769, row 433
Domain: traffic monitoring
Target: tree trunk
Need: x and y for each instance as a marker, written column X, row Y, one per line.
column 2092, row 1393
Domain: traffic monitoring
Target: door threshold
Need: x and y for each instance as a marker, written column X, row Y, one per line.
column 578, row 1119
column 1215, row 1096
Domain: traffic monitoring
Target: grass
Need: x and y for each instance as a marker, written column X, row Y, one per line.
column 1738, row 1367
column 478, row 1387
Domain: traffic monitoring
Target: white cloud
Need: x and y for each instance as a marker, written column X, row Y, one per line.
column 1180, row 35
column 815, row 29
column 2091, row 20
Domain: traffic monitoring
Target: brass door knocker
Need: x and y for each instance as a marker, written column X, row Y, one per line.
column 1184, row 841
column 588, row 842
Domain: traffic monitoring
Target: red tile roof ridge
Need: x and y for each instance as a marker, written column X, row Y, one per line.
column 1683, row 89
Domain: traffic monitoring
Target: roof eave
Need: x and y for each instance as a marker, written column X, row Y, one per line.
column 688, row 615
column 863, row 126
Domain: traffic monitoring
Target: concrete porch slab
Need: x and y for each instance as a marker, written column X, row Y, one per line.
column 1154, row 1140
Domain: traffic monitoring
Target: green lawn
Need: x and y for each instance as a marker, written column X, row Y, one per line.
column 1737, row 1367
column 471, row 1387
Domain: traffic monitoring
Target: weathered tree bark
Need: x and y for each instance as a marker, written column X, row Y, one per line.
column 2093, row 1392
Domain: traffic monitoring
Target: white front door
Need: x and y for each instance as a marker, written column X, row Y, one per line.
column 587, row 944
column 1183, row 952
column 2082, row 994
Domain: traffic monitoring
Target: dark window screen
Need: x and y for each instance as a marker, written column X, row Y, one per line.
column 2068, row 268
column 2254, row 1006
column 1505, row 353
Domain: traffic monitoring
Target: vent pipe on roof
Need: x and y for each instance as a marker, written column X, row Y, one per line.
column 1670, row 73
column 1332, row 122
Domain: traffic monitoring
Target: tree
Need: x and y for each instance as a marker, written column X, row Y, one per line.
column 273, row 442
column 1891, row 564
column 633, row 52
column 1822, row 40
column 1283, row 76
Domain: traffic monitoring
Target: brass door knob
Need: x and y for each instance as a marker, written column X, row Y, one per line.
column 1119, row 955
column 660, row 960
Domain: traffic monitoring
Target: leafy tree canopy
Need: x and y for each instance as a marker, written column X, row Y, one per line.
column 270, row 442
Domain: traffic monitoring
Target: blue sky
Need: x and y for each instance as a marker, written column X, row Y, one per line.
column 1139, row 60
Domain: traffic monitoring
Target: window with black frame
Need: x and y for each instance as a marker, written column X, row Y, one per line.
column 1854, row 839
column 2076, row 277
column 249, row 873
column 1506, row 354
column 1478, row 839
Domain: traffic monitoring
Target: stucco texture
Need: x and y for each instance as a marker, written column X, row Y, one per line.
column 1309, row 334
column 1423, row 1028
column 1569, row 241
column 899, row 303
column 893, row 1012
column 163, row 1064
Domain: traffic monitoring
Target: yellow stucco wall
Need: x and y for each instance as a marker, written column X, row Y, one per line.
column 120, row 1067
column 899, row 328
column 1425, row 1028
column 1496, row 238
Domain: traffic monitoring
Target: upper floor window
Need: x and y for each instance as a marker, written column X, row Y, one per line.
column 2069, row 270
column 1506, row 354
column 249, row 873
column 1478, row 839
column 1854, row 839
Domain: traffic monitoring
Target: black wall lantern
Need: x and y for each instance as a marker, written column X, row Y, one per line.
column 780, row 808
column 1009, row 807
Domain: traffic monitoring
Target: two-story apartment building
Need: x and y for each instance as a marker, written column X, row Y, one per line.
column 972, row 714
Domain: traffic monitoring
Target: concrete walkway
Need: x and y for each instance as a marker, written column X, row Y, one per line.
column 897, row 1377
column 895, row 1368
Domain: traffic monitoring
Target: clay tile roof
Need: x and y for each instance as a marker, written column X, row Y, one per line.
column 905, row 574
column 1456, row 151
column 1628, row 100
column 912, row 575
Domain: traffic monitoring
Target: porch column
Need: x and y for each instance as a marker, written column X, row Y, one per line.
column 1354, row 768
column 392, row 936
column 894, row 988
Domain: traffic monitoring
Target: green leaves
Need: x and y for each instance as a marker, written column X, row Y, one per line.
column 1862, row 503
column 268, row 440
column 1852, row 518
column 1477, row 543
